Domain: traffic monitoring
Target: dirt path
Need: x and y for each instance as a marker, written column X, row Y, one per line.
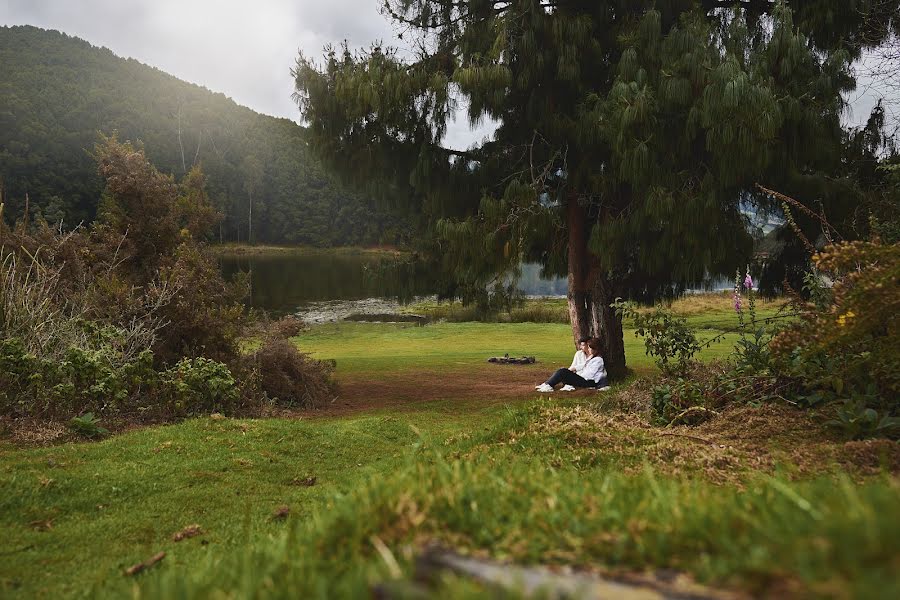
column 488, row 383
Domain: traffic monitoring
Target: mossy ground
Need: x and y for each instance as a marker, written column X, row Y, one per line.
column 761, row 500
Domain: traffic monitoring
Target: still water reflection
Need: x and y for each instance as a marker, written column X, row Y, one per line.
column 293, row 281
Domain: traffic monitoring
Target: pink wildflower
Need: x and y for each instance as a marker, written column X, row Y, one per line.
column 737, row 301
column 748, row 281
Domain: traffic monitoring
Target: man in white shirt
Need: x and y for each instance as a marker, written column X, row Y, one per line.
column 581, row 355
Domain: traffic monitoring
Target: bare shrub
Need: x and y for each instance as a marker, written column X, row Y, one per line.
column 27, row 307
column 287, row 327
column 292, row 378
column 40, row 305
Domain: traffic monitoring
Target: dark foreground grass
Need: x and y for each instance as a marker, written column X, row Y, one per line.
column 537, row 481
column 488, row 483
column 823, row 537
column 74, row 516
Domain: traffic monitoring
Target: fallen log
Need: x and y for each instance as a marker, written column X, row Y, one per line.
column 541, row 582
column 135, row 569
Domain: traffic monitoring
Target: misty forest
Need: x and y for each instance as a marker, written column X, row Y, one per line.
column 636, row 338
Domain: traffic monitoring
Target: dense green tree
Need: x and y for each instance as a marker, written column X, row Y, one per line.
column 630, row 132
column 57, row 92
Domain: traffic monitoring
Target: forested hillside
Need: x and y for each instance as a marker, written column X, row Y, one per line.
column 58, row 92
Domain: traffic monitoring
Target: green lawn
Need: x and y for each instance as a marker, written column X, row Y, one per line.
column 537, row 480
column 379, row 349
column 712, row 311
column 74, row 516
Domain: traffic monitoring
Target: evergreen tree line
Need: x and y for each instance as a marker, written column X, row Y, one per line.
column 58, row 92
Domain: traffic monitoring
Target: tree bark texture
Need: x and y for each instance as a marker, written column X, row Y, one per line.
column 590, row 294
column 607, row 325
column 578, row 293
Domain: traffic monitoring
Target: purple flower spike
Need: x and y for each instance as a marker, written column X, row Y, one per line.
column 748, row 282
column 737, row 301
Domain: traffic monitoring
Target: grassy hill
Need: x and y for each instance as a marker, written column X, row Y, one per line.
column 58, row 92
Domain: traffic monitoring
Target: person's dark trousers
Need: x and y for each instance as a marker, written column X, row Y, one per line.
column 567, row 377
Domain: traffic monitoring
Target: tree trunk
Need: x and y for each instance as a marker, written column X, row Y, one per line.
column 180, row 145
column 578, row 293
column 25, row 216
column 250, row 222
column 590, row 294
column 607, row 326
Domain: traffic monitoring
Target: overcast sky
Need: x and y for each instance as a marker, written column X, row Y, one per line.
column 240, row 48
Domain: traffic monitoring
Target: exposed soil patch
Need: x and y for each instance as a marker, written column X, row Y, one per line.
column 469, row 386
column 34, row 432
column 488, row 383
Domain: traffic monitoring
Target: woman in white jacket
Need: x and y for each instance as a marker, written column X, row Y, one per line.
column 591, row 375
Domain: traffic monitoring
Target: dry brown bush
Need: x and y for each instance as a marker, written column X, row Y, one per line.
column 286, row 327
column 292, row 378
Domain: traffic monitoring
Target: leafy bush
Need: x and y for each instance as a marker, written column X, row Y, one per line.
column 287, row 327
column 19, row 371
column 845, row 345
column 205, row 314
column 96, row 381
column 856, row 419
column 83, row 380
column 200, row 385
column 88, row 426
column 161, row 225
column 667, row 337
column 91, row 320
column 670, row 400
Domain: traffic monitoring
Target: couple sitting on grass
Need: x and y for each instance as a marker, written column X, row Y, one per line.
column 587, row 370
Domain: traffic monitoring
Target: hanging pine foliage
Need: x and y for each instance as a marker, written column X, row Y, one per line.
column 630, row 133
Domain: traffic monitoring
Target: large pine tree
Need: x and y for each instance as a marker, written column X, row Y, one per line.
column 630, row 132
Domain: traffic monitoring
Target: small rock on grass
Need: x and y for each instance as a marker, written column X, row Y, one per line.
column 188, row 532
column 42, row 525
column 304, row 481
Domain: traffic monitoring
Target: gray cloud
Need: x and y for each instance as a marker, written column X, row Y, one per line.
column 243, row 49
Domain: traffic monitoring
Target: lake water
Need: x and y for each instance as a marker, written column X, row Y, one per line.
column 325, row 286
column 329, row 286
